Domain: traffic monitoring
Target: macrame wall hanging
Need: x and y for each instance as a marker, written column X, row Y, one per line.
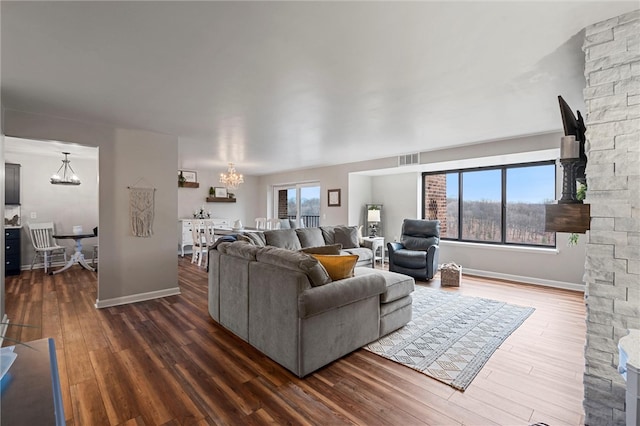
column 141, row 210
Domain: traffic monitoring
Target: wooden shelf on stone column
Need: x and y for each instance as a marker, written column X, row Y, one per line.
column 568, row 217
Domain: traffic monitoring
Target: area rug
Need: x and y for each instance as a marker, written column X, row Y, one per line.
column 450, row 336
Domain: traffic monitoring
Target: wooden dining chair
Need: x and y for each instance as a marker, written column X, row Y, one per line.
column 44, row 245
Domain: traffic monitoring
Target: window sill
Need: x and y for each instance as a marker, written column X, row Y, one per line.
column 500, row 247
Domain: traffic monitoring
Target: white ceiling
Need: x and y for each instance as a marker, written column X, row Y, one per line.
column 274, row 86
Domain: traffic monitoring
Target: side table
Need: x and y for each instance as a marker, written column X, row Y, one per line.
column 376, row 243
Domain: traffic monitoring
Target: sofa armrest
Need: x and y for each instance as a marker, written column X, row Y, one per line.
column 339, row 293
column 432, row 261
column 367, row 244
column 391, row 247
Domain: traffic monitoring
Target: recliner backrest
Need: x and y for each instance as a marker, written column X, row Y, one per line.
column 418, row 234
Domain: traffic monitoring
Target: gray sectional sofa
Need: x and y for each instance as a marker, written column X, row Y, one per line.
column 300, row 238
column 284, row 303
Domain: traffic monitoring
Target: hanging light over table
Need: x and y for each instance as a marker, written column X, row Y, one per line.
column 68, row 176
column 231, row 179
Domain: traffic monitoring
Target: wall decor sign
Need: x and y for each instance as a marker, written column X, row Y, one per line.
column 188, row 175
column 333, row 197
column 220, row 192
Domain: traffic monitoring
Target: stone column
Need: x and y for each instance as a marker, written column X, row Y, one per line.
column 612, row 265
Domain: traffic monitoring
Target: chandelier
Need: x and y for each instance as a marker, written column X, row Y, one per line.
column 68, row 175
column 231, row 179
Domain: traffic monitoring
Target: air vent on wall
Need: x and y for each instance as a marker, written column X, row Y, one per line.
column 409, row 159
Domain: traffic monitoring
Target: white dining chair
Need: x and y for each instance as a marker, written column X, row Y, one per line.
column 261, row 223
column 203, row 238
column 273, row 223
column 44, row 245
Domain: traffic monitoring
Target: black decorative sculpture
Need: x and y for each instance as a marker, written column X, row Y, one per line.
column 573, row 127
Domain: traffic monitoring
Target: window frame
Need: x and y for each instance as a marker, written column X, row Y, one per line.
column 503, row 209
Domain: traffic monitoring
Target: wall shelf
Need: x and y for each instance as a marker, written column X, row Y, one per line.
column 189, row 185
column 220, row 200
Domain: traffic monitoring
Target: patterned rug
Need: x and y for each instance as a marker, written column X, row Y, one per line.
column 450, row 336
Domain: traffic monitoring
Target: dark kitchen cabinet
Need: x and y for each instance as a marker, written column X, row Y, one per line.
column 11, row 183
column 12, row 251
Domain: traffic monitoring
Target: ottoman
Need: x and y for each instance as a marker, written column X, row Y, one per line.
column 396, row 302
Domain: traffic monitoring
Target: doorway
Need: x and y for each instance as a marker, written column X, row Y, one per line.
column 69, row 207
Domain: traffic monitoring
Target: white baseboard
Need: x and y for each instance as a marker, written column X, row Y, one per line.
column 526, row 280
column 140, row 297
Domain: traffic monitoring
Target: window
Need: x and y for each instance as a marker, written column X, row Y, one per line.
column 300, row 202
column 499, row 205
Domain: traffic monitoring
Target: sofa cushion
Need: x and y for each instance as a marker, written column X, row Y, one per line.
column 413, row 259
column 347, row 236
column 419, row 243
column 329, row 234
column 255, row 238
column 398, row 285
column 310, row 237
column 283, row 238
column 296, row 261
column 339, row 267
column 242, row 249
column 362, row 252
column 332, row 249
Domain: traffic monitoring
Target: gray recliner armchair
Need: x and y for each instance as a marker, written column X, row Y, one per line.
column 416, row 254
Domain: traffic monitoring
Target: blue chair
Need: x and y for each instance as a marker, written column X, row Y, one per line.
column 416, row 254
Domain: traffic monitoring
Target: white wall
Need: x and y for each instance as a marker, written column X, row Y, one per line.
column 400, row 198
column 360, row 190
column 64, row 205
column 130, row 268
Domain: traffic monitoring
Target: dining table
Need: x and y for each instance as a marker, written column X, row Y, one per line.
column 77, row 256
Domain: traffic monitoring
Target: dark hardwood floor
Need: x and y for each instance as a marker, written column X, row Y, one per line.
column 166, row 362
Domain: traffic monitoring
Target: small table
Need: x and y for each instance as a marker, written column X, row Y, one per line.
column 376, row 243
column 77, row 256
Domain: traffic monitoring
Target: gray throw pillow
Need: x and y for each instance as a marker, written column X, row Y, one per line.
column 283, row 238
column 255, row 238
column 296, row 261
column 310, row 237
column 331, row 249
column 347, row 236
column 329, row 234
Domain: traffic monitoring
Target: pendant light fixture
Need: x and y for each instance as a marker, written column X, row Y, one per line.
column 231, row 179
column 68, row 176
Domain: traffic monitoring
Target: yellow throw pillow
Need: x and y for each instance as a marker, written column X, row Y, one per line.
column 338, row 266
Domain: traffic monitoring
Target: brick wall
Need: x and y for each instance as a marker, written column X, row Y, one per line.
column 612, row 266
column 435, row 203
column 283, row 204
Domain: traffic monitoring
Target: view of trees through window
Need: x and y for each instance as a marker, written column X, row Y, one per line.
column 303, row 198
column 495, row 205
